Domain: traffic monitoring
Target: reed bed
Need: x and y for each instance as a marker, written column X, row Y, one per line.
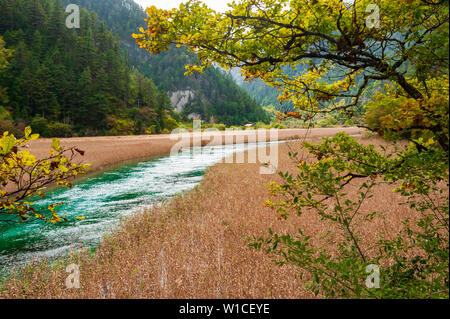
column 195, row 245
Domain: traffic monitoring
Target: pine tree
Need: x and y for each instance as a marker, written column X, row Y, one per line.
column 56, row 22
column 5, row 15
column 37, row 17
column 37, row 44
column 76, row 77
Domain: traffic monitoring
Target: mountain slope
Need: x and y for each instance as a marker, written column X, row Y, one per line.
column 213, row 96
column 72, row 81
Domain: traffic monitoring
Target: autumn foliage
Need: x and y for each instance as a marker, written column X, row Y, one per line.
column 22, row 176
column 396, row 72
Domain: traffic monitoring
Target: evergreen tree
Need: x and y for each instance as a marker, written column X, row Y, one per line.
column 56, row 22
column 93, row 79
column 75, row 77
column 36, row 14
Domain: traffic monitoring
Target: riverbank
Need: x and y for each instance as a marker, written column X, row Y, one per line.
column 109, row 151
column 195, row 246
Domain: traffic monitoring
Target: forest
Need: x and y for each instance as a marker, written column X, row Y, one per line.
column 93, row 81
column 216, row 96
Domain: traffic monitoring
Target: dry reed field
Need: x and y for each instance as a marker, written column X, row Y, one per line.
column 195, row 246
column 107, row 151
column 103, row 152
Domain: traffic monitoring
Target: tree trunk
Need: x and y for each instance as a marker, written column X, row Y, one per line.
column 411, row 90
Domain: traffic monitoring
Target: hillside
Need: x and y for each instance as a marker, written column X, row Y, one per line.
column 67, row 82
column 213, row 96
column 96, row 81
column 262, row 93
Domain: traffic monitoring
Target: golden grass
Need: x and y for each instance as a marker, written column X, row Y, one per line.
column 195, row 246
column 103, row 152
column 106, row 151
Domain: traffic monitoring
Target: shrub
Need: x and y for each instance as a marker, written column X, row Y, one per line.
column 170, row 123
column 120, row 126
column 413, row 264
column 277, row 125
column 4, row 114
column 151, row 129
column 349, row 122
column 40, row 126
column 220, row 127
column 58, row 129
column 7, row 125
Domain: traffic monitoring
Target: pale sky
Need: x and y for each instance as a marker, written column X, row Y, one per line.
column 218, row 5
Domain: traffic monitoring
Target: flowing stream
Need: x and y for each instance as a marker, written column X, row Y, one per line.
column 104, row 199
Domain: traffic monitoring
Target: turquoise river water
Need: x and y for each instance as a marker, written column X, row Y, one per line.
column 104, row 199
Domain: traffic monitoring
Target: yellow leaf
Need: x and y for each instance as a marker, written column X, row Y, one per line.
column 55, row 145
column 27, row 131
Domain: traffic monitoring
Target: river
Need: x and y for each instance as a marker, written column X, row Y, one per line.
column 104, row 199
